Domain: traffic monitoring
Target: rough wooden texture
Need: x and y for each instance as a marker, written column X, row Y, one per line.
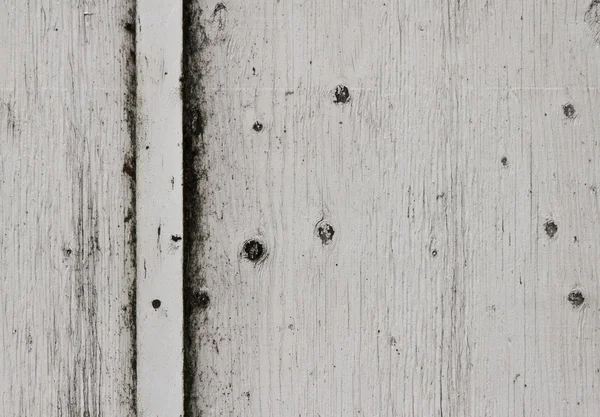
column 67, row 329
column 460, row 184
column 159, row 209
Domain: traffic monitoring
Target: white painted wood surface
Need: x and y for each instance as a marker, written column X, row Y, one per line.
column 442, row 292
column 159, row 210
column 67, row 253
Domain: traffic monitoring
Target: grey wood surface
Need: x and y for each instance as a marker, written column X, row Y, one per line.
column 425, row 241
column 159, row 209
column 67, row 215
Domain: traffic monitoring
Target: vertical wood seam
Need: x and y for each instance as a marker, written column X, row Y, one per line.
column 194, row 119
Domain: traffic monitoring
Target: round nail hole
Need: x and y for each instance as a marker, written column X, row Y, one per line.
column 576, row 298
column 325, row 232
column 569, row 110
column 253, row 250
column 504, row 161
column 342, row 95
column 257, row 126
column 156, row 304
column 550, row 228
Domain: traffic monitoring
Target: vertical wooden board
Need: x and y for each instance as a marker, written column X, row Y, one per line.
column 67, row 213
column 159, row 209
column 460, row 187
column 528, row 94
column 316, row 327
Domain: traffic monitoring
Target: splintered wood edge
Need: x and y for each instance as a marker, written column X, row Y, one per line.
column 159, row 209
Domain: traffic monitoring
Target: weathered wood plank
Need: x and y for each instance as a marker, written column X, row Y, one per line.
column 159, row 210
column 460, row 186
column 67, row 218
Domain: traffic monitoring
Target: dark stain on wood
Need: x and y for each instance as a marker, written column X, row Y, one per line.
column 504, row 161
column 200, row 301
column 129, row 168
column 131, row 324
column 195, row 117
column 129, row 215
column 130, row 27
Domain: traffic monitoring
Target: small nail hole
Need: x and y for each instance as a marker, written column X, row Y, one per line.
column 325, row 232
column 504, row 161
column 342, row 95
column 576, row 298
column 569, row 110
column 434, row 253
column 253, row 250
column 551, row 228
column 156, row 304
column 257, row 126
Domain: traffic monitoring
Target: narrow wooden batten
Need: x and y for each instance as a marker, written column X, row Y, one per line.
column 159, row 209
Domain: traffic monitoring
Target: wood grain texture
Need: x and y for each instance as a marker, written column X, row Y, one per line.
column 460, row 185
column 67, row 216
column 159, row 209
